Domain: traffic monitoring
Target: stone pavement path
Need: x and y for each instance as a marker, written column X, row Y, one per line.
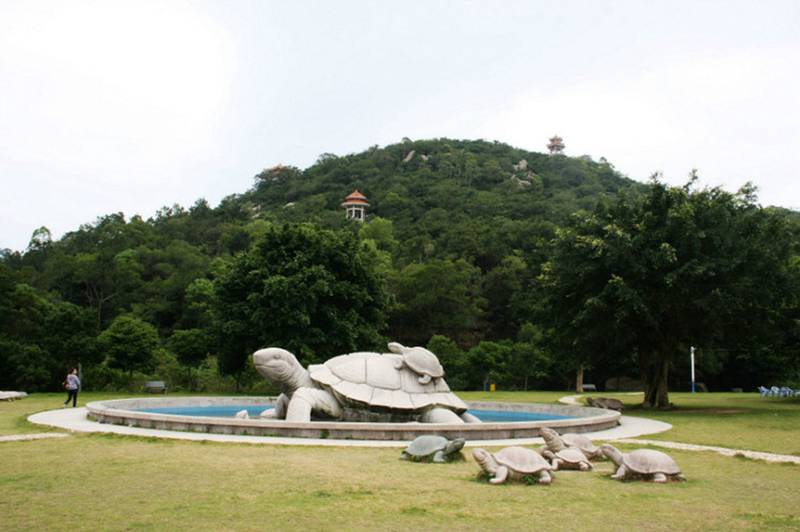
column 39, row 436
column 725, row 451
column 753, row 455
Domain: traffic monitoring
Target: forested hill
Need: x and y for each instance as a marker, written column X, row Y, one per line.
column 475, row 200
column 458, row 232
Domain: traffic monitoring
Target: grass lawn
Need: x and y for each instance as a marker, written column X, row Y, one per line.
column 121, row 483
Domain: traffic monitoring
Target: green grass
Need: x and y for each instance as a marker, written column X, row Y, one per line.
column 735, row 420
column 121, row 483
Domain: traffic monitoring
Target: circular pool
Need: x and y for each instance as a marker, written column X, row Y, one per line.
column 211, row 415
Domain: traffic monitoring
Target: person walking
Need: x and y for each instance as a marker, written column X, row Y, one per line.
column 72, row 384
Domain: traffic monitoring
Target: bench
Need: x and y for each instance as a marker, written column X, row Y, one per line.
column 155, row 387
column 589, row 388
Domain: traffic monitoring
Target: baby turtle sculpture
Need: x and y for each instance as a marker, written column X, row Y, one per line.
column 420, row 360
column 358, row 387
column 558, row 442
column 435, row 448
column 514, row 463
column 646, row 464
column 568, row 458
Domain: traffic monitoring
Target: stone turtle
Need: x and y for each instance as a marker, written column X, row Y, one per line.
column 608, row 403
column 568, row 458
column 646, row 464
column 357, row 387
column 558, row 442
column 419, row 360
column 436, row 448
column 513, row 463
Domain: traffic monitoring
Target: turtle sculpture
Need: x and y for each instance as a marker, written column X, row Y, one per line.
column 358, row 387
column 556, row 442
column 435, row 448
column 420, row 360
column 646, row 464
column 568, row 458
column 514, row 463
column 608, row 403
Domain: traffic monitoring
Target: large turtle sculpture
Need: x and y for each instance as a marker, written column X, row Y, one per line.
column 645, row 464
column 558, row 442
column 513, row 463
column 359, row 387
column 435, row 448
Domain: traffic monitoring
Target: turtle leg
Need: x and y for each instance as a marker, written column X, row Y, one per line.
column 469, row 418
column 660, row 478
column 585, row 466
column 545, row 477
column 306, row 400
column 440, row 415
column 621, row 472
column 438, row 457
column 556, row 463
column 279, row 411
column 500, row 476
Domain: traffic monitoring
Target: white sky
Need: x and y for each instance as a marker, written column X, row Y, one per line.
column 111, row 106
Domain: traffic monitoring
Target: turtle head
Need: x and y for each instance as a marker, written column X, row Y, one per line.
column 612, row 453
column 278, row 365
column 485, row 460
column 455, row 445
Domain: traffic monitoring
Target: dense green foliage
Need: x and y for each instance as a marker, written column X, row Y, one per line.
column 312, row 291
column 452, row 256
column 654, row 274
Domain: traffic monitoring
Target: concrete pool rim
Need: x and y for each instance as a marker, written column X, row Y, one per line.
column 124, row 412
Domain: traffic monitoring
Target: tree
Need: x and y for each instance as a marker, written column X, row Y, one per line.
column 312, row 291
column 130, row 344
column 653, row 274
column 191, row 347
column 438, row 297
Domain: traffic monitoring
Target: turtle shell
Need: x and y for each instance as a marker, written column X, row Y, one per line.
column 372, row 379
column 427, row 445
column 422, row 361
column 581, row 442
column 648, row 462
column 522, row 460
column 571, row 455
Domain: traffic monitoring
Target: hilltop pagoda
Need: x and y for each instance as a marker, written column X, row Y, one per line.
column 356, row 205
column 556, row 145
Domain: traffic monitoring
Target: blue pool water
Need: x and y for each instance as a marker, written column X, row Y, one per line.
column 254, row 411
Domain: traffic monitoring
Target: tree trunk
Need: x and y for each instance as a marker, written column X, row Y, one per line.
column 579, row 380
column 656, row 393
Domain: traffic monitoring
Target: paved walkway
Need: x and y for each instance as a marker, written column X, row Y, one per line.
column 573, row 400
column 40, row 436
column 75, row 419
column 754, row 455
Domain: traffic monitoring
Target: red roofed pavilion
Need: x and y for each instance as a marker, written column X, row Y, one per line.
column 356, row 205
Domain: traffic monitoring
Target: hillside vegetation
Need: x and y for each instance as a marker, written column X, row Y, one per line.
column 454, row 255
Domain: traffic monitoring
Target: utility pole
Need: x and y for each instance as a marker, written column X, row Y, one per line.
column 691, row 357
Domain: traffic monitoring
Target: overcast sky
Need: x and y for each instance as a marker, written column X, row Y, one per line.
column 114, row 106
